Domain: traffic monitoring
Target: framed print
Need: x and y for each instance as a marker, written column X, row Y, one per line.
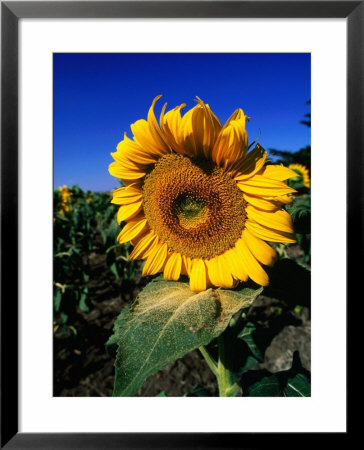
column 214, row 193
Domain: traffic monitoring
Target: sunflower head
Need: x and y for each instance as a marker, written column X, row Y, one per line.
column 196, row 201
column 65, row 200
column 302, row 172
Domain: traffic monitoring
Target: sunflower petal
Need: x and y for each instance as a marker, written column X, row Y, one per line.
column 128, row 211
column 277, row 172
column 232, row 142
column 251, row 265
column 172, row 269
column 250, row 165
column 133, row 152
column 200, row 129
column 278, row 220
column 171, row 127
column 143, row 247
column 262, row 203
column 155, row 131
column 121, row 171
column 263, row 186
column 126, row 195
column 186, row 265
column 143, row 137
column 132, row 229
column 156, row 260
column 269, row 234
column 233, row 258
column 219, row 273
column 263, row 252
column 198, row 276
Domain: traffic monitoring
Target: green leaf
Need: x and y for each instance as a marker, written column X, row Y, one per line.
column 114, row 270
column 161, row 394
column 166, row 321
column 249, row 364
column 266, row 387
column 298, row 386
column 294, row 382
column 57, row 300
column 247, row 336
column 82, row 303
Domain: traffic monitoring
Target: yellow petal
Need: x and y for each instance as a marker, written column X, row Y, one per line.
column 198, row 276
column 172, row 269
column 130, row 150
column 144, row 246
column 192, row 132
column 132, row 229
column 155, row 131
column 156, row 260
column 219, row 273
column 126, row 195
column 278, row 172
column 144, row 137
column 250, row 165
column 119, row 170
column 251, row 265
column 171, row 127
column 128, row 211
column 261, row 203
column 200, row 129
column 263, row 252
column 233, row 258
column 232, row 143
column 278, row 220
column 259, row 185
column 211, row 127
column 269, row 234
column 186, row 265
column 286, row 199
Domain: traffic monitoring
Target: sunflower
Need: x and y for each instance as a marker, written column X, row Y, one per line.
column 302, row 172
column 196, row 201
column 65, row 195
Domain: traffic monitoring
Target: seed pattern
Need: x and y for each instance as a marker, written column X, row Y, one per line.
column 193, row 206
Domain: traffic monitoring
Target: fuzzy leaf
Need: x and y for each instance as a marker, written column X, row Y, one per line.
column 166, row 321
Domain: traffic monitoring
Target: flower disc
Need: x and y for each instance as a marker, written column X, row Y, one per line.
column 194, row 206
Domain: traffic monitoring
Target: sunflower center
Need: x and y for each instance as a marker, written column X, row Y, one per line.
column 189, row 211
column 193, row 206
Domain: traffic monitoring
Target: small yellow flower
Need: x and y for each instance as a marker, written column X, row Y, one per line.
column 65, row 195
column 302, row 172
column 197, row 202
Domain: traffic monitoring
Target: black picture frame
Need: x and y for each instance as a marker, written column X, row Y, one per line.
column 11, row 12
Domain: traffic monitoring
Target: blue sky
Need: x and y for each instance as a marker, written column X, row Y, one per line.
column 97, row 97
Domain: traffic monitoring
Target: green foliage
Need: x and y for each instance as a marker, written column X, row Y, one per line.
column 166, row 321
column 300, row 212
column 247, row 336
column 301, row 208
column 76, row 232
column 302, row 156
column 289, row 383
column 267, row 387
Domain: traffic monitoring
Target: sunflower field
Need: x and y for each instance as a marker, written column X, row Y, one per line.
column 193, row 277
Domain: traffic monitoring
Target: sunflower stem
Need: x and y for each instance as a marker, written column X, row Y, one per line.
column 211, row 362
column 227, row 388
